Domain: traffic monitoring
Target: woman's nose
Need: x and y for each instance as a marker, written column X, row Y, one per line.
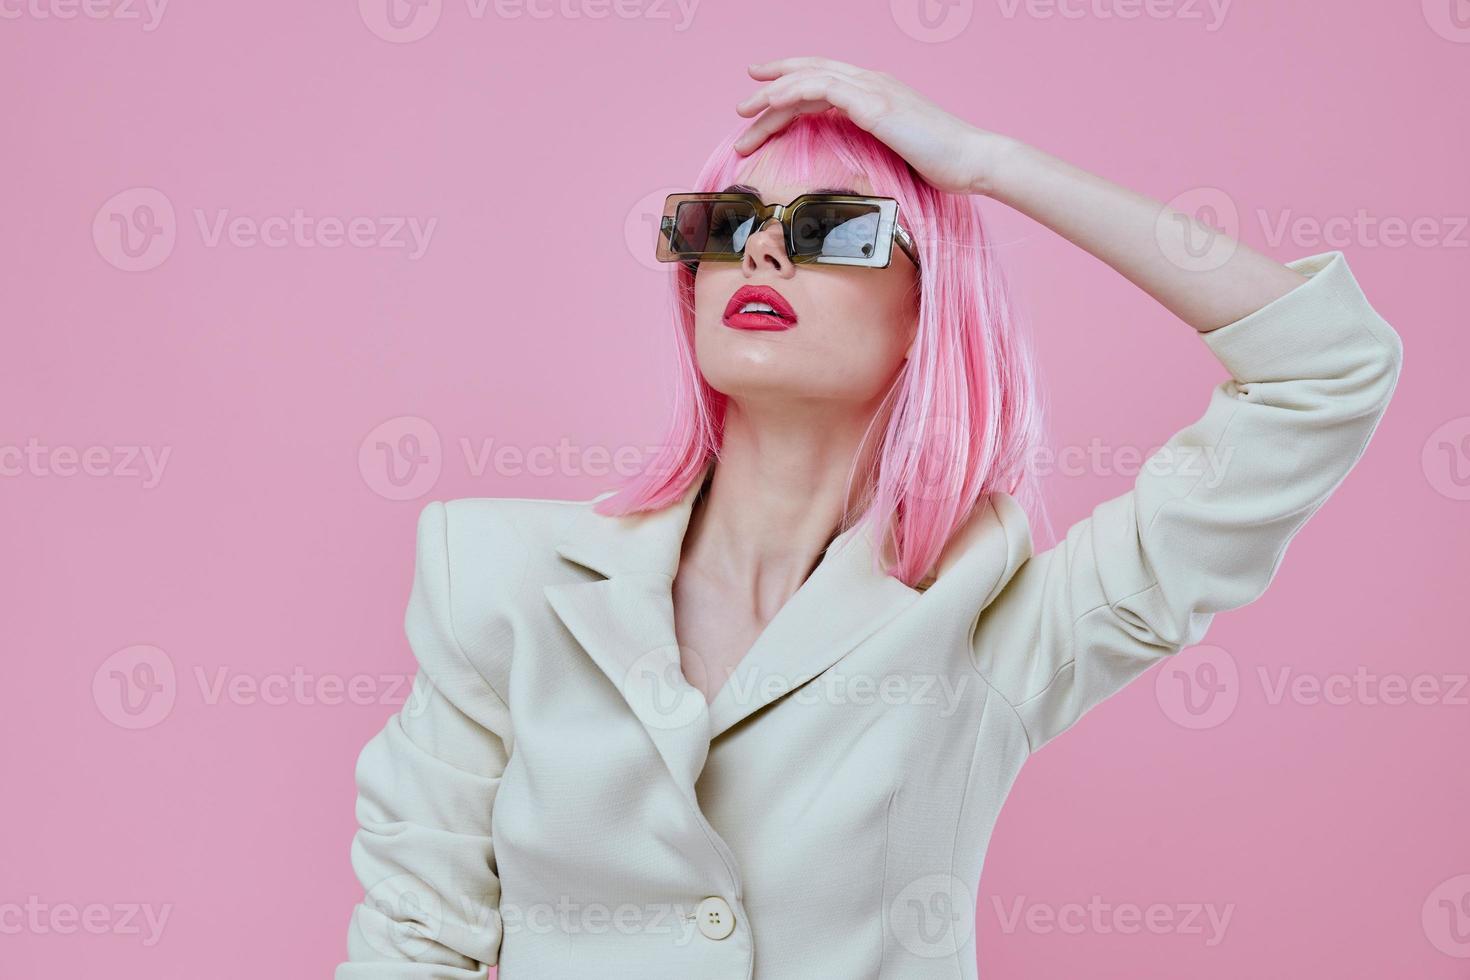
column 766, row 249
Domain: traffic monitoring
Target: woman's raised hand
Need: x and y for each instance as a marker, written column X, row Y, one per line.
column 945, row 150
column 1139, row 237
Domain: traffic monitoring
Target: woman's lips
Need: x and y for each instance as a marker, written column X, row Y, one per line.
column 783, row 319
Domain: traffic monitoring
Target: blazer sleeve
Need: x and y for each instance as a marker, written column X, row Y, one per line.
column 426, row 792
column 1208, row 519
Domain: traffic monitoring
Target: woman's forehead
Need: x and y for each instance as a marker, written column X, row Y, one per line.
column 776, row 191
column 778, row 180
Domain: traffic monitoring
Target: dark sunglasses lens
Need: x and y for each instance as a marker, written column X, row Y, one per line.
column 836, row 230
column 712, row 226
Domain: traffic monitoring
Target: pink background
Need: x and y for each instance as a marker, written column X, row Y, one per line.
column 272, row 547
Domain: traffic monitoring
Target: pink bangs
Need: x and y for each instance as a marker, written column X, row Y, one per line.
column 963, row 418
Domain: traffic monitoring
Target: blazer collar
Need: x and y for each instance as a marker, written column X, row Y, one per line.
column 637, row 544
column 625, row 619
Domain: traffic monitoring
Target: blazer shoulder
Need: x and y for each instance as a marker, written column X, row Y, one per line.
column 487, row 557
column 498, row 545
column 529, row 519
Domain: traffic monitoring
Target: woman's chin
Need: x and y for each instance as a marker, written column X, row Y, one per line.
column 767, row 384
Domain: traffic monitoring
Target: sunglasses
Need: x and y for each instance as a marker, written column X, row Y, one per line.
column 825, row 229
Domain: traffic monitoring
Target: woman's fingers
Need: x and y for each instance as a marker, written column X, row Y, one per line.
column 773, row 122
column 804, row 91
column 766, row 70
column 761, row 97
column 937, row 144
column 802, row 86
column 784, row 102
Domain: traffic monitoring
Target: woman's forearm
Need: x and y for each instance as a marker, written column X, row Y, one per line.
column 1136, row 235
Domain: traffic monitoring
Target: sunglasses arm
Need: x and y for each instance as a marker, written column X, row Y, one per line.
column 906, row 242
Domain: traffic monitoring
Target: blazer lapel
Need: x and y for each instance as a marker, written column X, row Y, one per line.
column 625, row 622
column 845, row 600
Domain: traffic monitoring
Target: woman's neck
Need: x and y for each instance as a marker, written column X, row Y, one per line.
column 777, row 497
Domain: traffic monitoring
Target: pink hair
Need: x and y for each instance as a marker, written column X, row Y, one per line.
column 963, row 417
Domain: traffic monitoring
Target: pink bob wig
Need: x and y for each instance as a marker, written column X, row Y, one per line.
column 962, row 418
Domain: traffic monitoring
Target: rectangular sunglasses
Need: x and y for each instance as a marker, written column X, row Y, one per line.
column 824, row 229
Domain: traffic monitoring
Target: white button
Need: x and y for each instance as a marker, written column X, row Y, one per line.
column 714, row 917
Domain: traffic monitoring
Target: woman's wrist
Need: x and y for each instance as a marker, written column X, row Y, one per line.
column 993, row 157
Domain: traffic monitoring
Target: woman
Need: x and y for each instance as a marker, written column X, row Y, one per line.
column 754, row 715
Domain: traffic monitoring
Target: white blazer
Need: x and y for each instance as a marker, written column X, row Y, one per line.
column 560, row 802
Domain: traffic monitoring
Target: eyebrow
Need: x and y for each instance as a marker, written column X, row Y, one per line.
column 747, row 189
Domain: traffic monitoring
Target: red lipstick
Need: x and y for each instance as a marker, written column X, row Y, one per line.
column 780, row 317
